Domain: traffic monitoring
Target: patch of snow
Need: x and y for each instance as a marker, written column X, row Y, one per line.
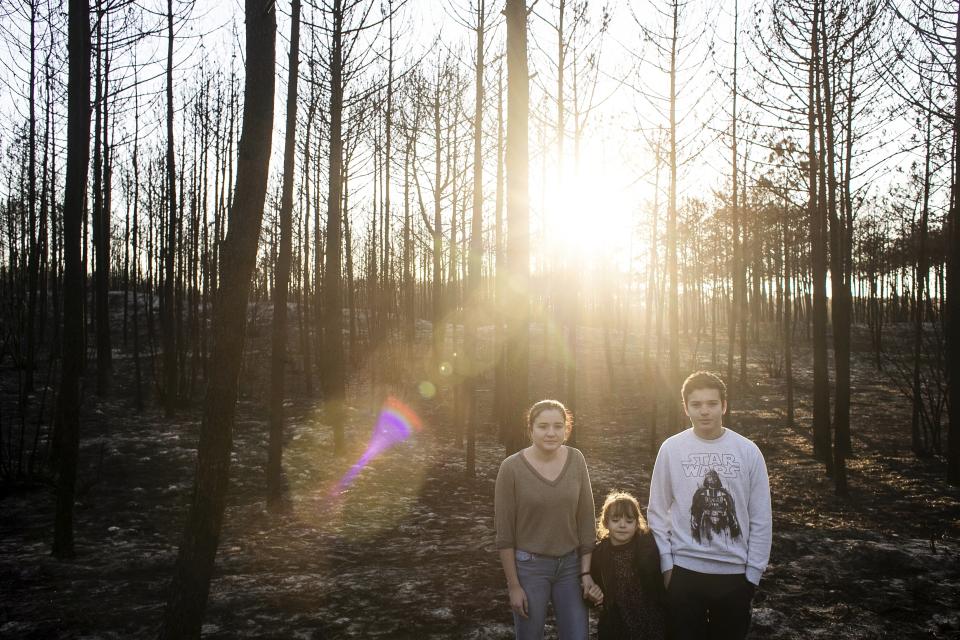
column 767, row 618
column 443, row 613
column 15, row 628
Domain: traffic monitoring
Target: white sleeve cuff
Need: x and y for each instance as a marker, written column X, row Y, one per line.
column 666, row 562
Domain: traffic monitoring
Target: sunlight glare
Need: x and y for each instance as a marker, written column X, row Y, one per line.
column 590, row 215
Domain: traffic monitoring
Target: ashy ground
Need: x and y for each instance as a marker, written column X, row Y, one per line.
column 406, row 549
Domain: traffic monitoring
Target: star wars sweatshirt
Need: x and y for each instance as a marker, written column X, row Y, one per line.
column 709, row 506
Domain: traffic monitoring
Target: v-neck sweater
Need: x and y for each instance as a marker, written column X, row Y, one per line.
column 547, row 517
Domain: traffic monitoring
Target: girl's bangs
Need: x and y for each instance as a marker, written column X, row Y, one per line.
column 622, row 507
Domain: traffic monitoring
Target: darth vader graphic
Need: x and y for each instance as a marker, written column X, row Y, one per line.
column 713, row 511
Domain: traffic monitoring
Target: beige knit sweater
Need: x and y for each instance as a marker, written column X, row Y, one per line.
column 543, row 517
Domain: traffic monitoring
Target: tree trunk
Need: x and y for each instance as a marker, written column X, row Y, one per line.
column 742, row 314
column 438, row 320
column 334, row 378
column 472, row 299
column 96, row 188
column 672, row 239
column 282, row 278
column 920, row 284
column 517, row 302
column 733, row 320
column 573, row 286
column 307, row 298
column 408, row 302
column 839, row 316
column 386, row 272
column 168, row 306
column 787, row 311
column 500, row 395
column 821, row 382
column 102, row 237
column 652, row 365
column 952, row 311
column 75, row 189
column 34, row 255
column 137, row 384
column 187, row 597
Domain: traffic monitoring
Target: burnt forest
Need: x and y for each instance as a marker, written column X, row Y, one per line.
column 279, row 281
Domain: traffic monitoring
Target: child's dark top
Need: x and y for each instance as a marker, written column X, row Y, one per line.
column 633, row 593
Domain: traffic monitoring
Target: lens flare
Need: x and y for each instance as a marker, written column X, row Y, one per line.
column 396, row 423
column 427, row 389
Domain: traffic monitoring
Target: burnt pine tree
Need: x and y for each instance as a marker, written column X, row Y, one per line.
column 472, row 298
column 75, row 189
column 922, row 269
column 500, row 278
column 953, row 284
column 517, row 302
column 346, row 20
column 738, row 275
column 677, row 49
column 35, row 242
column 282, row 277
column 187, row 597
column 101, row 203
column 795, row 32
column 672, row 241
column 334, row 367
column 828, row 199
column 936, row 27
column 168, row 320
column 439, row 184
column 816, row 207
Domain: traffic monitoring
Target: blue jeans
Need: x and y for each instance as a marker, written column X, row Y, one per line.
column 548, row 579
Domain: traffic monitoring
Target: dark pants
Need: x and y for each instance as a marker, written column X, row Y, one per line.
column 707, row 606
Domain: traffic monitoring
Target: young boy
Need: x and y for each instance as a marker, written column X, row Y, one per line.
column 709, row 510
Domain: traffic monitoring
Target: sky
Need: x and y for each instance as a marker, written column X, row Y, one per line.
column 596, row 209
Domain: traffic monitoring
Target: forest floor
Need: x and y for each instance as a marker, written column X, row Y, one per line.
column 407, row 549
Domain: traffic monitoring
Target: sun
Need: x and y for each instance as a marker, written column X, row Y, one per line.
column 592, row 214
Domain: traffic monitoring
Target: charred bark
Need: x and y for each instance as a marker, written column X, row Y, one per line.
column 187, row 596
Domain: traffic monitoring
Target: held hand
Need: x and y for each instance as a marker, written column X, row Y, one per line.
column 666, row 578
column 588, row 585
column 518, row 600
column 595, row 595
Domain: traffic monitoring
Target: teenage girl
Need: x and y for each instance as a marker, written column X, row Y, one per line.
column 544, row 515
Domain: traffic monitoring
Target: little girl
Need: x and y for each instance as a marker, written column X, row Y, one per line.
column 626, row 567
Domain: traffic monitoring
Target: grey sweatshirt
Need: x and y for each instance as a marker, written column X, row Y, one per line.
column 709, row 505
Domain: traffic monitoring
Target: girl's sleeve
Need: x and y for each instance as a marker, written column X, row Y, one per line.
column 595, row 561
column 505, row 507
column 651, row 568
column 586, row 511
